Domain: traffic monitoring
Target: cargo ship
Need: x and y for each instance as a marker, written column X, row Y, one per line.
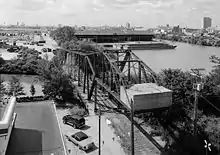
column 140, row 45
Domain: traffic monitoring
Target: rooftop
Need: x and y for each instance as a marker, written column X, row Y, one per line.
column 111, row 32
column 36, row 130
column 147, row 88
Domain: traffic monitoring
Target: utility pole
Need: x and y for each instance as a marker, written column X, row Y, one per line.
column 99, row 131
column 95, row 110
column 195, row 112
column 132, row 127
column 197, row 86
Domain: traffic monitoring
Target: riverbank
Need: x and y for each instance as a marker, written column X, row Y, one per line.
column 185, row 56
column 201, row 40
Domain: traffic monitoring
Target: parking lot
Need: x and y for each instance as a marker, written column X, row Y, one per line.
column 50, row 43
column 109, row 142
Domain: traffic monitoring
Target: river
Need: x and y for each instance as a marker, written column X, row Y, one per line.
column 26, row 81
column 185, row 57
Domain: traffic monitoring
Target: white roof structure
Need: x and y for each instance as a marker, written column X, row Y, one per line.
column 147, row 96
column 147, row 88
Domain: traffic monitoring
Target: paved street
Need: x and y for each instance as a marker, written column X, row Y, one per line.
column 109, row 147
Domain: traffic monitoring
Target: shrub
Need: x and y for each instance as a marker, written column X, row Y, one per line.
column 76, row 110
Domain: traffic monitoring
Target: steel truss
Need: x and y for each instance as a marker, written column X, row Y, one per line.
column 109, row 72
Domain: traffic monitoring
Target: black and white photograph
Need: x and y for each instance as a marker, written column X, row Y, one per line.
column 109, row 77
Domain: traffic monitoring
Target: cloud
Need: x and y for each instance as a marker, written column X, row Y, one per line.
column 137, row 3
column 64, row 10
column 191, row 9
column 28, row 5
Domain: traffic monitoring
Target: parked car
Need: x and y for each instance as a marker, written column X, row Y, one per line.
column 74, row 121
column 44, row 50
column 82, row 140
column 40, row 44
column 49, row 49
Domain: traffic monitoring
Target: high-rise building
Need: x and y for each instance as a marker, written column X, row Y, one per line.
column 128, row 25
column 207, row 22
column 176, row 29
column 59, row 25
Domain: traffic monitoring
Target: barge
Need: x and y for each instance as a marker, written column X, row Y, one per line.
column 139, row 45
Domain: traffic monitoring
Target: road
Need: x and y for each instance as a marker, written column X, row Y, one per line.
column 36, row 131
column 110, row 146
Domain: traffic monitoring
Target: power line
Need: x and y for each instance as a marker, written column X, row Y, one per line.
column 210, row 103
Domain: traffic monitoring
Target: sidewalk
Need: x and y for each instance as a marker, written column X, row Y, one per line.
column 111, row 145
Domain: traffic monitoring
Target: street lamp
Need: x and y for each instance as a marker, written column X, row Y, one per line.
column 95, row 109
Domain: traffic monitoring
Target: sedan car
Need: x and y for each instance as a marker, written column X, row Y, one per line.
column 82, row 140
column 74, row 121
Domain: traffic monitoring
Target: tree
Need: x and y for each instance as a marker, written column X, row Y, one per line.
column 78, row 111
column 55, row 81
column 212, row 84
column 15, row 87
column 2, row 89
column 2, row 61
column 32, row 90
column 181, row 83
column 63, row 34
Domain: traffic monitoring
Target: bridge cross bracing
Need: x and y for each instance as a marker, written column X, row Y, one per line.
column 110, row 71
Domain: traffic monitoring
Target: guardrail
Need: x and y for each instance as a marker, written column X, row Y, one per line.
column 6, row 125
column 7, row 117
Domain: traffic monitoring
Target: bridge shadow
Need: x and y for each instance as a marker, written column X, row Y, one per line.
column 86, row 127
column 187, row 145
column 94, row 147
column 25, row 141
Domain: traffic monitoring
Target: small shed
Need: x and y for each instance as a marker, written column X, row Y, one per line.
column 147, row 96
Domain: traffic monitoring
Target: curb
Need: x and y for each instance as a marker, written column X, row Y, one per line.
column 64, row 147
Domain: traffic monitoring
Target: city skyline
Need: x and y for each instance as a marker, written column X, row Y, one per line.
column 147, row 13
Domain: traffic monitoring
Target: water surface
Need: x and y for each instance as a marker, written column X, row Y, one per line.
column 185, row 57
column 26, row 81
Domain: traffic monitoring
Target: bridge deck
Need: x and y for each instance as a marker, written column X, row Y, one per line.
column 36, row 131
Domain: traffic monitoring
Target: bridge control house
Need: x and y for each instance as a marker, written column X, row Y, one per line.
column 147, row 96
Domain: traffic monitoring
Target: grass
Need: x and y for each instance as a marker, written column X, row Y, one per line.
column 76, row 110
column 122, row 127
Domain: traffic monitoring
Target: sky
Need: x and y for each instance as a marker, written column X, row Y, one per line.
column 147, row 13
